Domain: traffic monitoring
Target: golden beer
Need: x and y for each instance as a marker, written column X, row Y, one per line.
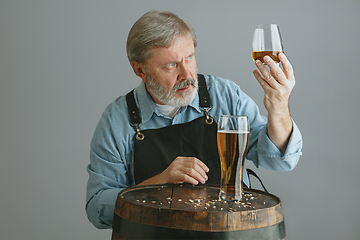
column 232, row 147
column 259, row 55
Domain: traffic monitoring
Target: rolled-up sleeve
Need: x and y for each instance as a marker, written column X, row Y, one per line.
column 229, row 99
column 270, row 157
column 108, row 175
column 261, row 150
column 100, row 208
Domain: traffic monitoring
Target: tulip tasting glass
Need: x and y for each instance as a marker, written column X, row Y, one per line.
column 232, row 140
column 266, row 41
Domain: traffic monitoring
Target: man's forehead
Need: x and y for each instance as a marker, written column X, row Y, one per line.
column 178, row 50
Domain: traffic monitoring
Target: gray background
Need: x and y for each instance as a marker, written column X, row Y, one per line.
column 63, row 62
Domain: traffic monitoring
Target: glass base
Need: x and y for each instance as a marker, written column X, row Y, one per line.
column 230, row 197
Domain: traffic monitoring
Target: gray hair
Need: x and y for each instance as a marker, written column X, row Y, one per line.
column 155, row 29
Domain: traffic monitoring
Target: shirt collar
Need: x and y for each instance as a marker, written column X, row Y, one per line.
column 148, row 107
column 196, row 103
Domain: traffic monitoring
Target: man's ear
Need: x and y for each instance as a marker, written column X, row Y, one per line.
column 139, row 70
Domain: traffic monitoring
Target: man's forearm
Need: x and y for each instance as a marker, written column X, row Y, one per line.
column 279, row 130
column 153, row 180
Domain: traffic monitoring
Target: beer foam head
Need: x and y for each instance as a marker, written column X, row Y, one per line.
column 233, row 131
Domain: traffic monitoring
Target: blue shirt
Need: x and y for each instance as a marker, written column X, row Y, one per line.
column 111, row 165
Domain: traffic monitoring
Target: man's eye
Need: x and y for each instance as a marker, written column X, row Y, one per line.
column 170, row 65
column 190, row 57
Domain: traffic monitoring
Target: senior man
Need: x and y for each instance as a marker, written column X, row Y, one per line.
column 164, row 131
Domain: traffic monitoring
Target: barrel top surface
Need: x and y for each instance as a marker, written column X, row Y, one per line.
column 182, row 208
column 196, row 198
column 197, row 208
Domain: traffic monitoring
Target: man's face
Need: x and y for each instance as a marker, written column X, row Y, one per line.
column 171, row 76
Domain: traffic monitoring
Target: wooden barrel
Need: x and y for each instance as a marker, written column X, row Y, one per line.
column 195, row 212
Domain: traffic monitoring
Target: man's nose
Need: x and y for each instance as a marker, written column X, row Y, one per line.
column 184, row 72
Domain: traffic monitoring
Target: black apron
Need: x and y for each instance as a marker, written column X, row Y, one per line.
column 155, row 149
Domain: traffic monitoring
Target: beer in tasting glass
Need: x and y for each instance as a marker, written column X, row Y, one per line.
column 232, row 139
column 261, row 54
column 267, row 41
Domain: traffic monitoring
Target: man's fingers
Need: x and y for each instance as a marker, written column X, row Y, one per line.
column 189, row 179
column 197, row 170
column 266, row 74
column 191, row 170
column 198, row 173
column 288, row 69
column 262, row 81
column 202, row 165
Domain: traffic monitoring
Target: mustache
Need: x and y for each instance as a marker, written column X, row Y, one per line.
column 184, row 84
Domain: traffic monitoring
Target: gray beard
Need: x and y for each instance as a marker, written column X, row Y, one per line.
column 168, row 97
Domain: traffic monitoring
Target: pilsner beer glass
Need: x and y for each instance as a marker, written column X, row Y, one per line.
column 266, row 41
column 232, row 140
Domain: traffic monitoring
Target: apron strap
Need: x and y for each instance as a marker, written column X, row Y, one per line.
column 204, row 99
column 132, row 108
column 134, row 114
column 251, row 172
column 203, row 92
